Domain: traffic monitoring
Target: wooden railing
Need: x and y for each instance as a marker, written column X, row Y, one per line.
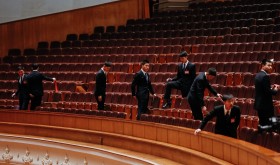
column 171, row 142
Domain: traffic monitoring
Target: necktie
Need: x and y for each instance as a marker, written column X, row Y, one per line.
column 146, row 75
column 20, row 79
column 184, row 66
column 227, row 116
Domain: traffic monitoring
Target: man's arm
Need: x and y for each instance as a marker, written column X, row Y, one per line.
column 134, row 83
column 237, row 118
column 212, row 90
column 200, row 92
column 48, row 78
column 266, row 83
column 192, row 72
column 208, row 117
column 151, row 89
column 178, row 74
column 98, row 84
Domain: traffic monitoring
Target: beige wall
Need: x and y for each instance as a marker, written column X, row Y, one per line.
column 27, row 33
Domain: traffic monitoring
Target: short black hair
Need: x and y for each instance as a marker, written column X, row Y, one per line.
column 264, row 61
column 212, row 71
column 35, row 66
column 108, row 63
column 144, row 62
column 226, row 97
column 183, row 54
column 20, row 68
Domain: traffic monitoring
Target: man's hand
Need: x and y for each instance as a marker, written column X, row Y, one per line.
column 197, row 131
column 14, row 94
column 99, row 98
column 54, row 79
column 219, row 95
column 203, row 108
column 275, row 87
column 168, row 79
column 31, row 95
column 155, row 95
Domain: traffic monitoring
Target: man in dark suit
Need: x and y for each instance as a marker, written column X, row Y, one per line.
column 185, row 75
column 35, row 85
column 22, row 90
column 196, row 94
column 227, row 118
column 100, row 85
column 264, row 92
column 144, row 88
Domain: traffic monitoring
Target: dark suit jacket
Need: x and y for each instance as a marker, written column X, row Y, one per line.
column 198, row 87
column 35, row 83
column 22, row 90
column 100, row 87
column 224, row 126
column 143, row 87
column 263, row 92
column 186, row 76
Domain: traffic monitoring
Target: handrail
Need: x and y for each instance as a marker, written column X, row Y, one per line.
column 174, row 143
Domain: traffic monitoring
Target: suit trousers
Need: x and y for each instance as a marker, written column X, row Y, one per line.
column 35, row 101
column 100, row 104
column 23, row 103
column 196, row 109
column 264, row 115
column 142, row 105
column 175, row 85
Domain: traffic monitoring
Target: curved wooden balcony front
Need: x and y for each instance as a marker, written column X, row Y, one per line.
column 169, row 142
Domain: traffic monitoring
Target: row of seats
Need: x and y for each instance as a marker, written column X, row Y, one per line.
column 225, row 7
column 245, row 120
column 248, row 66
column 258, row 36
column 88, row 78
column 244, row 94
column 183, row 30
column 115, row 58
column 236, row 47
column 136, row 58
column 150, row 41
column 264, row 14
column 229, row 38
column 114, row 114
column 182, row 122
column 62, row 85
column 183, row 116
column 252, row 67
column 161, row 34
column 266, row 139
column 221, row 57
column 244, row 4
column 172, row 33
column 109, row 50
column 177, row 112
column 197, row 48
column 169, row 23
column 121, row 101
column 84, row 77
column 86, row 42
column 156, row 115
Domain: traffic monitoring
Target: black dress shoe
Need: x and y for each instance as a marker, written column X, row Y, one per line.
column 166, row 105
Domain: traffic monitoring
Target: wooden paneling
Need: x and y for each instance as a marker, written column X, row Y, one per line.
column 27, row 33
column 175, row 143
